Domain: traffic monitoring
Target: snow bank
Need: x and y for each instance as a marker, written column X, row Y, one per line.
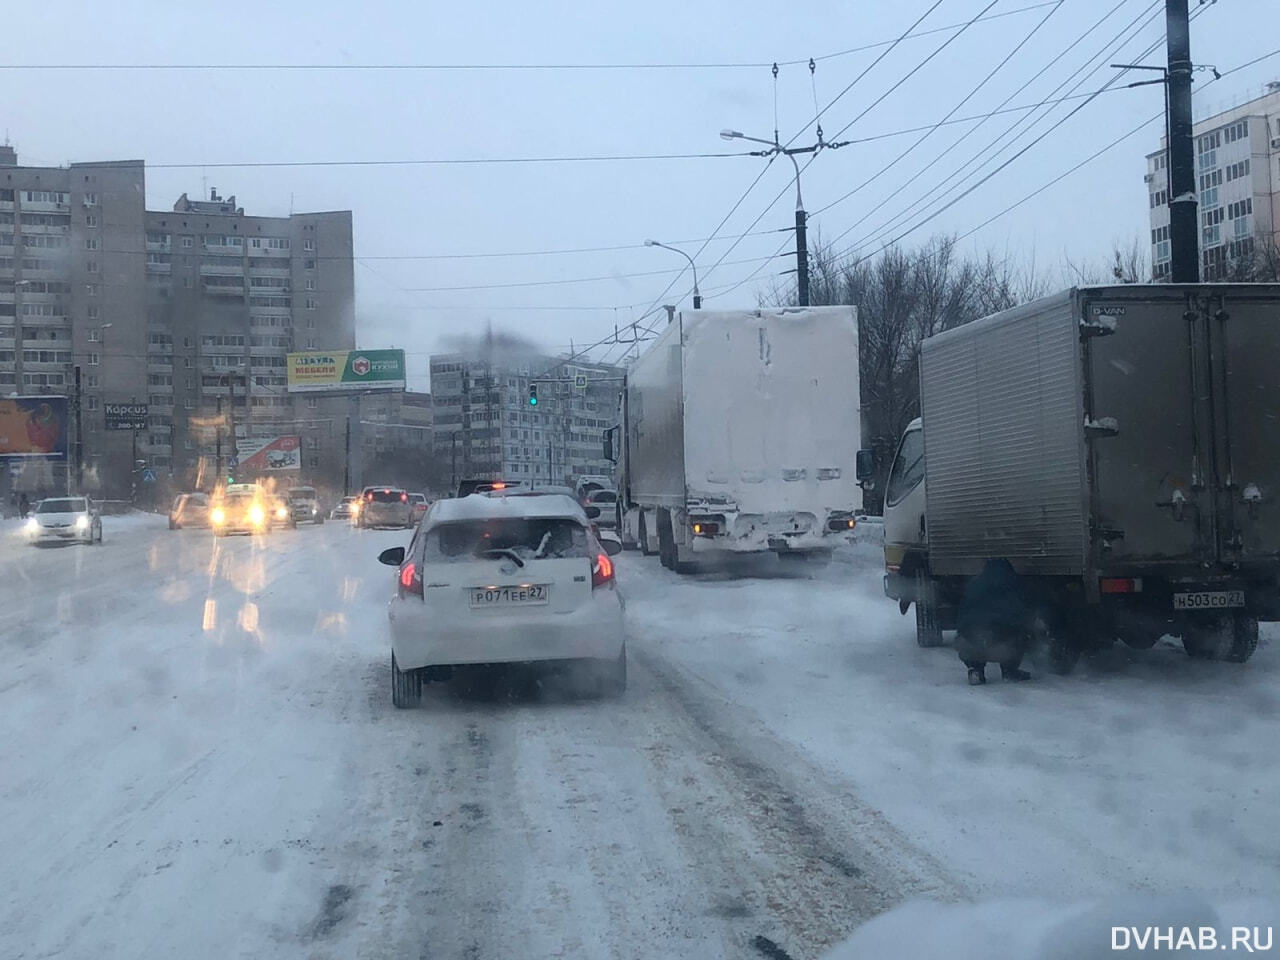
column 1043, row 930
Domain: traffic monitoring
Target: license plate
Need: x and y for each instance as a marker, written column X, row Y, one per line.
column 529, row 595
column 1208, row 600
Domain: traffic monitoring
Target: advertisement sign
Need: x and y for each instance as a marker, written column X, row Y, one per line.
column 33, row 427
column 342, row 371
column 125, row 416
column 266, row 454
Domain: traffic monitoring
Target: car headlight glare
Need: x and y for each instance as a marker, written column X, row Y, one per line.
column 256, row 514
column 218, row 515
column 82, row 523
column 281, row 512
column 33, row 525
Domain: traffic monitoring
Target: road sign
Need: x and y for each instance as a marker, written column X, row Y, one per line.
column 148, row 475
column 233, row 462
column 580, row 381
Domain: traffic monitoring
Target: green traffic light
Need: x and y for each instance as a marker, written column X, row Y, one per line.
column 533, row 395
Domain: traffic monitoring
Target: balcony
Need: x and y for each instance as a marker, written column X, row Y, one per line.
column 232, row 268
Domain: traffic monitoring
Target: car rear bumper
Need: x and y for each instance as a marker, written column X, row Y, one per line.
column 419, row 639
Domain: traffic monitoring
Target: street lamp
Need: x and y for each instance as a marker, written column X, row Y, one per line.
column 697, row 297
column 775, row 148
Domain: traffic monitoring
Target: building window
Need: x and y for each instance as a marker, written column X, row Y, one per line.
column 95, row 335
column 311, row 284
column 90, row 220
column 309, row 264
column 92, row 313
column 312, row 403
column 91, row 243
column 92, row 266
column 311, row 304
column 90, row 199
column 93, row 359
column 91, row 403
column 91, row 289
column 186, row 242
column 91, row 380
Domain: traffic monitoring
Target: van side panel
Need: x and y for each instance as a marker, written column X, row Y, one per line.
column 1001, row 401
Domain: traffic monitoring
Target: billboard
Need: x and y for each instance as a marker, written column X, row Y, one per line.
column 346, row 371
column 125, row 416
column 33, row 427
column 266, row 454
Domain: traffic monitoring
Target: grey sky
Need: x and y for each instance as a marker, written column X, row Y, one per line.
column 224, row 116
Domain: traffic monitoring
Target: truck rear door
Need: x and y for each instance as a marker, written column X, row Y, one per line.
column 1152, row 499
column 1243, row 327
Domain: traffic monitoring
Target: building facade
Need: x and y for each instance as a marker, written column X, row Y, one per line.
column 228, row 297
column 1237, row 158
column 485, row 426
column 186, row 310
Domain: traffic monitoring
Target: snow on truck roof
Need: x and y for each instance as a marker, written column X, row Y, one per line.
column 482, row 507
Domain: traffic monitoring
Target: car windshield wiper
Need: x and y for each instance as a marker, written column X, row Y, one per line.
column 501, row 552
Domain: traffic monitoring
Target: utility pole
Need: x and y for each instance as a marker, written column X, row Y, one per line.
column 79, row 461
column 346, row 469
column 1184, row 216
column 217, row 442
column 802, row 248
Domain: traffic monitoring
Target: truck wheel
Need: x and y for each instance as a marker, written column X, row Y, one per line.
column 406, row 686
column 643, row 537
column 1053, row 641
column 666, row 541
column 928, row 626
column 1233, row 639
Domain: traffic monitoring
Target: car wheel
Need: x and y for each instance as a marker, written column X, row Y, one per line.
column 1233, row 638
column 406, row 686
column 643, row 536
column 928, row 626
column 172, row 525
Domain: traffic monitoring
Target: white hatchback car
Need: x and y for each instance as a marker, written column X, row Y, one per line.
column 64, row 519
column 489, row 580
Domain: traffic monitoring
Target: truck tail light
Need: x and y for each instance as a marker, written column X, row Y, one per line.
column 410, row 582
column 841, row 524
column 601, row 571
column 1120, row 584
column 705, row 529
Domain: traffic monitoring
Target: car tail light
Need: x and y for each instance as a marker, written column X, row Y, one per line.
column 404, row 498
column 410, row 582
column 601, row 571
column 1120, row 584
column 841, row 524
column 369, row 496
column 702, row 529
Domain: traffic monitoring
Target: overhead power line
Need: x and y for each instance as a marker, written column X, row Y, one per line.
column 445, row 67
column 880, row 99
column 958, row 173
column 554, row 283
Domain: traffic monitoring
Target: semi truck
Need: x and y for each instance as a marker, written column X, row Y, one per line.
column 1118, row 445
column 738, row 434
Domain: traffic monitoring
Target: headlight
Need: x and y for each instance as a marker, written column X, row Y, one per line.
column 281, row 513
column 33, row 525
column 218, row 515
column 256, row 514
column 355, row 506
column 82, row 523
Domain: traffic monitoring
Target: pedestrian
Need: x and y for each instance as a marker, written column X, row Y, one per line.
column 24, row 506
column 993, row 624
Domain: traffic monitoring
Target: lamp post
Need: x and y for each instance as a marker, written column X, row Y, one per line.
column 697, row 297
column 775, row 148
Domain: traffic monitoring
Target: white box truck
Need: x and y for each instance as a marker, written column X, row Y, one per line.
column 1118, row 445
column 738, row 433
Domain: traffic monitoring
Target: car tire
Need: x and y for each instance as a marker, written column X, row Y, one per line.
column 666, row 540
column 1233, row 639
column 406, row 686
column 172, row 525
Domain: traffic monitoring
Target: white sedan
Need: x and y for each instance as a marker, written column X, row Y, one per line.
column 64, row 519
column 489, row 580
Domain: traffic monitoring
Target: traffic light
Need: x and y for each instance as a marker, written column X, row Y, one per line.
column 533, row 394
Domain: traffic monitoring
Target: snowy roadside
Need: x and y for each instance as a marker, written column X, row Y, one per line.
column 1140, row 771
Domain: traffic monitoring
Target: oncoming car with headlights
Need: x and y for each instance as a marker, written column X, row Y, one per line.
column 64, row 519
column 238, row 513
column 500, row 580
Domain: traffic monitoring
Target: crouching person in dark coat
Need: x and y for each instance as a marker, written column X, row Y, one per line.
column 993, row 624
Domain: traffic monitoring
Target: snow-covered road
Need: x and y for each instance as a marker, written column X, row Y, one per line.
column 201, row 760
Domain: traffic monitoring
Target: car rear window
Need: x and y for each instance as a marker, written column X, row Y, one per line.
column 542, row 538
column 386, row 496
column 62, row 505
column 302, row 493
column 604, row 496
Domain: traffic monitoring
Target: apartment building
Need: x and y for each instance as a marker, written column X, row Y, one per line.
column 1237, row 159
column 185, row 310
column 228, row 296
column 485, row 426
column 72, row 293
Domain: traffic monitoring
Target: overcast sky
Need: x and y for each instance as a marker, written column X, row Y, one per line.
column 228, row 116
